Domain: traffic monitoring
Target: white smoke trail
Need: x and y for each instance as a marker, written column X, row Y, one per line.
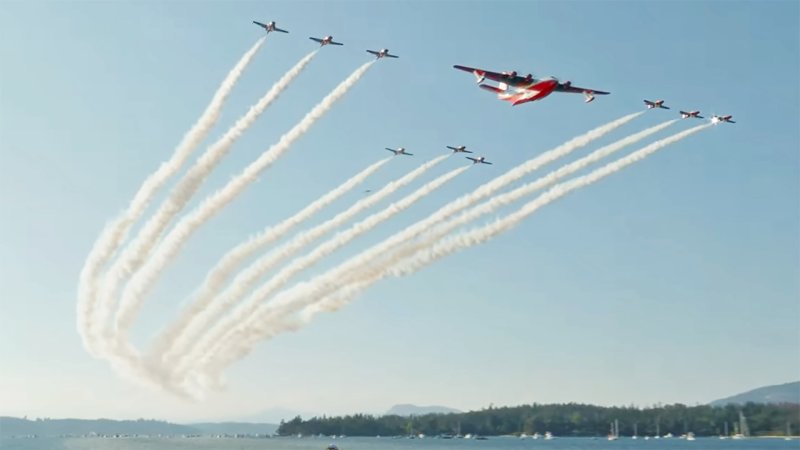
column 136, row 252
column 192, row 317
column 116, row 232
column 247, row 279
column 489, row 188
column 417, row 256
column 238, row 322
column 493, row 186
column 512, row 196
column 327, row 293
column 143, row 280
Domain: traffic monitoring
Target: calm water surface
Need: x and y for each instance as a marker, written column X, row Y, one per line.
column 500, row 443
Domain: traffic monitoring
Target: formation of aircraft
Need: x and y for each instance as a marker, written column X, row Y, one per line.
column 382, row 53
column 688, row 114
column 518, row 89
column 459, row 149
column 327, row 40
column 399, row 151
column 511, row 86
column 717, row 119
column 269, row 26
column 478, row 160
column 655, row 104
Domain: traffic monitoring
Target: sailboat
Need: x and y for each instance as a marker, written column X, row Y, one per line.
column 635, row 432
column 788, row 436
column 725, row 434
column 743, row 430
column 614, row 434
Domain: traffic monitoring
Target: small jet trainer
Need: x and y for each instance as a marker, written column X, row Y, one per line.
column 459, row 149
column 399, row 151
column 382, row 53
column 478, row 160
column 517, row 89
column 717, row 119
column 269, row 26
column 655, row 104
column 325, row 41
column 694, row 114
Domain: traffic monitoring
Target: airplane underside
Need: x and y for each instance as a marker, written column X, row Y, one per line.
column 520, row 96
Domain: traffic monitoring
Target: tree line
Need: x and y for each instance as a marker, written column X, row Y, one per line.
column 569, row 419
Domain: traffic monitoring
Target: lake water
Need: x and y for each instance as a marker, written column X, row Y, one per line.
column 499, row 443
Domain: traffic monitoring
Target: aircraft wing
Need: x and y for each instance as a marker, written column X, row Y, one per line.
column 457, row 150
column 282, row 31
column 373, row 52
column 335, row 43
column 389, row 55
column 578, row 90
column 496, row 76
column 316, row 39
column 262, row 25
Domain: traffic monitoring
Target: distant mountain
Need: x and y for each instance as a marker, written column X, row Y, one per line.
column 12, row 426
column 779, row 393
column 414, row 410
column 235, row 428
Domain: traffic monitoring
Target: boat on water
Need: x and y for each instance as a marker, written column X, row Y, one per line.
column 743, row 431
column 613, row 434
column 332, row 447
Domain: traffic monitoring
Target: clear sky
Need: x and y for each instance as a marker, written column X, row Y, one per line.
column 676, row 280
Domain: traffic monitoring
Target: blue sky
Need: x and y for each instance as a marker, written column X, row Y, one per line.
column 675, row 280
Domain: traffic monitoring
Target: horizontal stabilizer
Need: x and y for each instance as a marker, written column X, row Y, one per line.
column 491, row 88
